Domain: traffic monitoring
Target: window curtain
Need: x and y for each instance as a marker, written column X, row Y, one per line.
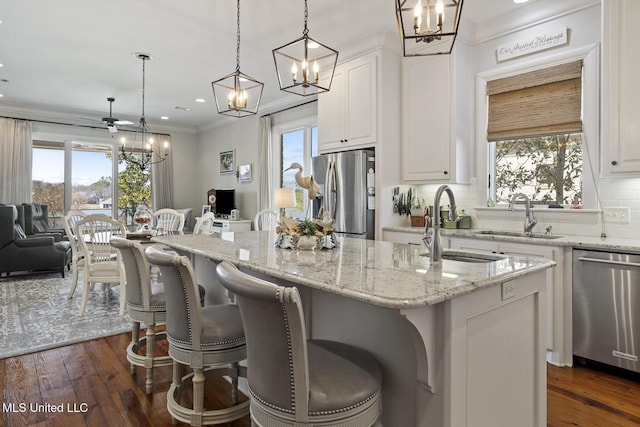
column 15, row 161
column 162, row 179
column 265, row 159
column 538, row 103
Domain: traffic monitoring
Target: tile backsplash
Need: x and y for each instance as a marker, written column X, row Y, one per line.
column 586, row 222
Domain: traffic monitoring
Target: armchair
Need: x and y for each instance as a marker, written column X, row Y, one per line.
column 36, row 220
column 21, row 253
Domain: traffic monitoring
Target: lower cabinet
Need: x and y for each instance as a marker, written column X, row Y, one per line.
column 558, row 314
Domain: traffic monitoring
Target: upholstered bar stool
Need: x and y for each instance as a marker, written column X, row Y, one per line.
column 294, row 381
column 145, row 304
column 209, row 337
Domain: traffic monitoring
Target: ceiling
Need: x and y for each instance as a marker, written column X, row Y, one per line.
column 66, row 57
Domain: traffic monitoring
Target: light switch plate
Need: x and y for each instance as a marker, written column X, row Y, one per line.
column 617, row 215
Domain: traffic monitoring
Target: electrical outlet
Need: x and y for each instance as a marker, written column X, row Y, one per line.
column 508, row 291
column 617, row 215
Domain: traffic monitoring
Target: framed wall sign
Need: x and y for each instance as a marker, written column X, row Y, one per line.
column 227, row 161
column 244, row 173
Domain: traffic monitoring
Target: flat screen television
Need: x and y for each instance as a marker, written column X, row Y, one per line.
column 225, row 202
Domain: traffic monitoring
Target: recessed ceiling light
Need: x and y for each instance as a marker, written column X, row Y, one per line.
column 520, row 1
column 0, row 64
column 1, row 95
column 201, row 100
column 164, row 118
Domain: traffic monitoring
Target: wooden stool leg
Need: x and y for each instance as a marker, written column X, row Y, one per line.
column 135, row 340
column 151, row 342
column 198, row 396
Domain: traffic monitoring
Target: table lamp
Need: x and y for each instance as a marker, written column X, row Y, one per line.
column 284, row 198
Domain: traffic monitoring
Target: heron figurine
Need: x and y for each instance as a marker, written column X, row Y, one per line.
column 306, row 182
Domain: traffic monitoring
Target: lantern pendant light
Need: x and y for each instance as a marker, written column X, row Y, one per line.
column 428, row 27
column 237, row 94
column 305, row 66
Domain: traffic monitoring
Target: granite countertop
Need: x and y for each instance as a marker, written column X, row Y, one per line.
column 583, row 242
column 381, row 273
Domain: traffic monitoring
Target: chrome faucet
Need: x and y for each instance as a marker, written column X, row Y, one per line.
column 431, row 237
column 529, row 220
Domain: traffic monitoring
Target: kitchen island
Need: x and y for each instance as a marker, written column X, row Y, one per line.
column 460, row 343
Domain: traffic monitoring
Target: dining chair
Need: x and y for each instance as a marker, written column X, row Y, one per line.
column 102, row 261
column 167, row 220
column 295, row 381
column 204, row 224
column 266, row 219
column 77, row 260
column 209, row 337
column 145, row 304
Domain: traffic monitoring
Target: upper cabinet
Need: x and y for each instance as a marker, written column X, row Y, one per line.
column 434, row 149
column 620, row 88
column 348, row 113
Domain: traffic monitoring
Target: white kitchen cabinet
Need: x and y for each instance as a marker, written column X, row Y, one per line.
column 434, row 147
column 559, row 351
column 347, row 114
column 620, row 88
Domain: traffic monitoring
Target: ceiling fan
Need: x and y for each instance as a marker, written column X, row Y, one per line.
column 111, row 121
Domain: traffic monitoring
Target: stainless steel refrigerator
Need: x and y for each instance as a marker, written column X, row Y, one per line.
column 347, row 188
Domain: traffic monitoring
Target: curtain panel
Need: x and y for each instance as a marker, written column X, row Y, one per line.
column 15, row 161
column 162, row 179
column 537, row 103
column 265, row 158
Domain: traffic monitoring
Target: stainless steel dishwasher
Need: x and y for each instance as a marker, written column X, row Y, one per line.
column 606, row 307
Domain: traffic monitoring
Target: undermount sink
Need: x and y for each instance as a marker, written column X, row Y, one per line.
column 516, row 234
column 467, row 256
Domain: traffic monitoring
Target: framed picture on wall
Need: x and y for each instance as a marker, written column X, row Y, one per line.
column 227, row 162
column 244, row 173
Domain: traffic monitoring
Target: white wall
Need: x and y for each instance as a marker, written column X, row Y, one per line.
column 185, row 175
column 240, row 135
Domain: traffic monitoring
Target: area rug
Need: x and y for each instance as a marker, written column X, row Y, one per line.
column 35, row 314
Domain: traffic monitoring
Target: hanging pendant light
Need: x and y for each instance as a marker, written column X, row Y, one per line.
column 428, row 27
column 305, row 66
column 143, row 151
column 237, row 94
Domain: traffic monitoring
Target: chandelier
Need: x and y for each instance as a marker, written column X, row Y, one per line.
column 305, row 66
column 237, row 94
column 142, row 152
column 428, row 27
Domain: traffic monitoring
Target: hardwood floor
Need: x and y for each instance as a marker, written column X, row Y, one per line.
column 96, row 374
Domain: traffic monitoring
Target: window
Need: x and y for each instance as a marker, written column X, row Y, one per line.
column 89, row 169
column 91, row 178
column 134, row 187
column 47, row 178
column 547, row 169
column 298, row 146
column 535, row 126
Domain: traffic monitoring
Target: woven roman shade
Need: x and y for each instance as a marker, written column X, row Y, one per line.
column 538, row 103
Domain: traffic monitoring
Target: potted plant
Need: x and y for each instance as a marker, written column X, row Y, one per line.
column 307, row 230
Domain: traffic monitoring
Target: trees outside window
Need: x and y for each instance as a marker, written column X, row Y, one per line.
column 134, row 187
column 547, row 169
